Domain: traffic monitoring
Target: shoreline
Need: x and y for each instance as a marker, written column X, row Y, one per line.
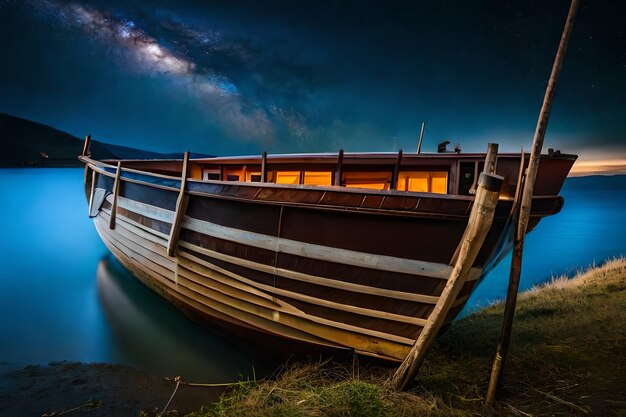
column 94, row 389
column 567, row 357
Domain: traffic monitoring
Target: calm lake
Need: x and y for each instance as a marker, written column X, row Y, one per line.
column 63, row 297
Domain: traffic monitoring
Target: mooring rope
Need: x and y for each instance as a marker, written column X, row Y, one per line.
column 197, row 384
column 177, row 380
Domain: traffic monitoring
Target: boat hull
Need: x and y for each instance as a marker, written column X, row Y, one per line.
column 320, row 266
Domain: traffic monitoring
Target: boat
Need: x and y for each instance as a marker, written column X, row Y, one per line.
column 330, row 251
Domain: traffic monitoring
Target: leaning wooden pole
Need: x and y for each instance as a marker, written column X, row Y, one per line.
column 524, row 211
column 116, row 194
column 181, row 208
column 478, row 225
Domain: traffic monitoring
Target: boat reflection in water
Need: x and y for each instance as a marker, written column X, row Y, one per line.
column 150, row 333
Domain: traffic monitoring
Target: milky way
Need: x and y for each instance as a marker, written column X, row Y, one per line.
column 232, row 77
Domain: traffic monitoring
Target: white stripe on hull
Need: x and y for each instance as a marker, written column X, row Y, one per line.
column 292, row 324
column 293, row 247
column 157, row 257
column 142, row 231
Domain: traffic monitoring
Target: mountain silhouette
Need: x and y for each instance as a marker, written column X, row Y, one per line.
column 24, row 143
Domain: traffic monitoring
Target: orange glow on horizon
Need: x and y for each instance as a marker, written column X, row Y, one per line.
column 598, row 167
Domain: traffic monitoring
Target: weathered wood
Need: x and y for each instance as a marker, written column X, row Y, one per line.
column 181, row 208
column 396, row 171
column 86, row 145
column 293, row 247
column 524, row 211
column 313, row 279
column 116, row 194
column 518, row 189
column 419, row 142
column 325, row 253
column 339, row 169
column 92, row 191
column 264, row 167
column 491, row 158
column 480, row 220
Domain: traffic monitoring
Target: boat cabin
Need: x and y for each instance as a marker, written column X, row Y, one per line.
column 448, row 173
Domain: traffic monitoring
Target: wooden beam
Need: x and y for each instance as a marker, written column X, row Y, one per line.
column 116, row 194
column 93, row 189
column 419, row 142
column 181, row 208
column 491, row 159
column 477, row 228
column 264, row 167
column 86, row 145
column 339, row 169
column 524, row 211
column 396, row 172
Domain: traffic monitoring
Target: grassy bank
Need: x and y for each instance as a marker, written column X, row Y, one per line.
column 567, row 357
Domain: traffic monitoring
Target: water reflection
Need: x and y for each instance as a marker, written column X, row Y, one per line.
column 147, row 331
column 52, row 307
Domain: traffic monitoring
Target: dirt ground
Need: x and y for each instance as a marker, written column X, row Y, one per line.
column 76, row 389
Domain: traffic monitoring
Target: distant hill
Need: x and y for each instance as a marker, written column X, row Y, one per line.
column 24, row 143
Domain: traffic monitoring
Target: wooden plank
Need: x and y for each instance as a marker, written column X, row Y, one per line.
column 181, row 208
column 297, row 296
column 147, row 210
column 93, row 190
column 202, row 270
column 116, row 193
column 396, row 172
column 339, row 169
column 264, row 167
column 326, row 253
column 167, row 266
column 344, row 256
column 491, row 158
column 313, row 279
column 320, row 329
column 478, row 226
column 86, row 145
column 419, row 142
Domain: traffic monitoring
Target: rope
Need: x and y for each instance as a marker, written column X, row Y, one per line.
column 196, row 384
column 177, row 380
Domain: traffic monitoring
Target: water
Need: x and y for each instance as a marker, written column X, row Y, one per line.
column 62, row 297
column 590, row 228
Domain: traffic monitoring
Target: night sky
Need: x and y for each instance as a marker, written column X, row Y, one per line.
column 239, row 77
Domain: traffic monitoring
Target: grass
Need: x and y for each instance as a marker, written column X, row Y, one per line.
column 567, row 357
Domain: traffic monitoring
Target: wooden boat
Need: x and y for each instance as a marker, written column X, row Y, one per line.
column 346, row 251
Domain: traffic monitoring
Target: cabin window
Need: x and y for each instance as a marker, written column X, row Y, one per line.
column 424, row 181
column 371, row 180
column 211, row 174
column 252, row 176
column 288, row 177
column 317, row 178
column 235, row 174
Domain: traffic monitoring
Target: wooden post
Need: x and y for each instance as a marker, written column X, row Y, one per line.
column 116, row 193
column 477, row 228
column 264, row 167
column 491, row 158
column 524, row 212
column 396, row 172
column 86, row 145
column 419, row 142
column 181, row 208
column 93, row 189
column 339, row 169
